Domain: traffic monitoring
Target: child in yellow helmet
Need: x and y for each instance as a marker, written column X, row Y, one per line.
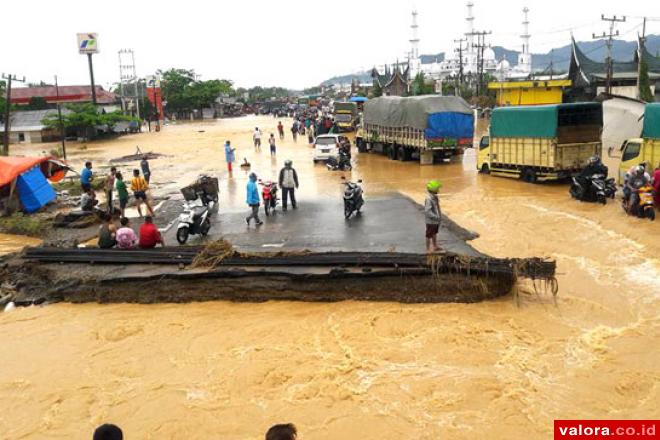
column 432, row 215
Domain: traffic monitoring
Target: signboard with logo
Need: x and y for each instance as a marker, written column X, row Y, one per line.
column 88, row 43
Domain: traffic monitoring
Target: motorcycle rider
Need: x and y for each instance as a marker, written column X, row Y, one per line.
column 594, row 167
column 636, row 179
column 289, row 183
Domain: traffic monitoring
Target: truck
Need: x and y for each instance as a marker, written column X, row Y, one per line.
column 426, row 128
column 540, row 143
column 345, row 114
column 645, row 149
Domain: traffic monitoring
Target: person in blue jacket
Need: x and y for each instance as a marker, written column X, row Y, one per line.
column 253, row 200
column 86, row 177
column 229, row 155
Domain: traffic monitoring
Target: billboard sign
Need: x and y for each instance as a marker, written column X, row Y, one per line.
column 153, row 81
column 88, row 43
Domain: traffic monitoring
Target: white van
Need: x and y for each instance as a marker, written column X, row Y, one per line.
column 327, row 146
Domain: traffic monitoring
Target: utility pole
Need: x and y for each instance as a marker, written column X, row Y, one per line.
column 610, row 62
column 127, row 76
column 9, row 78
column 460, row 61
column 59, row 115
column 480, row 46
column 91, row 77
column 640, row 56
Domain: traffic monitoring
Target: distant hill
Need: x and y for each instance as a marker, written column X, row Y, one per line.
column 560, row 56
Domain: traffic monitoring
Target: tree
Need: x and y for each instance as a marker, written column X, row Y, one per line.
column 3, row 100
column 175, row 87
column 84, row 118
column 36, row 103
column 645, row 93
column 419, row 86
column 204, row 93
column 377, row 90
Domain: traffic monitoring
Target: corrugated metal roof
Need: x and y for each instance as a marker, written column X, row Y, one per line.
column 22, row 95
column 29, row 120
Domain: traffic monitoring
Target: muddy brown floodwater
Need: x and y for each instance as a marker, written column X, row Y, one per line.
column 355, row 370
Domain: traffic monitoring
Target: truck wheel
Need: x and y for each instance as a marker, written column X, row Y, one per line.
column 650, row 213
column 401, row 154
column 528, row 175
column 362, row 148
column 485, row 169
column 391, row 152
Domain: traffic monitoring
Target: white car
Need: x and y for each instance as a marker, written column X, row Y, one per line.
column 327, row 146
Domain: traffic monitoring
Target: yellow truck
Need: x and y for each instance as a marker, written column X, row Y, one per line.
column 645, row 149
column 539, row 143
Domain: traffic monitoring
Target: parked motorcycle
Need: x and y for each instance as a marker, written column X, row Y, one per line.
column 645, row 207
column 353, row 198
column 342, row 162
column 195, row 220
column 269, row 196
column 593, row 189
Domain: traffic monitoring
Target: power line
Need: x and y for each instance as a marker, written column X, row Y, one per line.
column 9, row 77
column 610, row 63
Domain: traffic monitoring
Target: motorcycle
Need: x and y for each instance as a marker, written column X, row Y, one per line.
column 595, row 188
column 353, row 199
column 341, row 162
column 195, row 220
column 269, row 196
column 645, row 207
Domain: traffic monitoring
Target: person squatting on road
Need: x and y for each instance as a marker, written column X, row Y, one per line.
column 229, row 155
column 253, row 200
column 432, row 215
column 289, row 183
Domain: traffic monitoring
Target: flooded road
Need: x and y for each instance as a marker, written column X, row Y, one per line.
column 355, row 370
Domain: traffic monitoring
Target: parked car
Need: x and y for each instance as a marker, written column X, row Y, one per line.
column 327, row 146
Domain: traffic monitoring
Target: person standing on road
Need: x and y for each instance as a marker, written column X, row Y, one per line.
column 144, row 166
column 294, row 131
column 310, row 134
column 289, row 183
column 256, row 137
column 253, row 200
column 109, row 187
column 122, row 193
column 273, row 147
column 280, row 130
column 432, row 215
column 229, row 155
column 86, row 176
column 139, row 186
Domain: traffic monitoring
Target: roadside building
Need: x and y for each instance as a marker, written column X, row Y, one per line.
column 394, row 81
column 61, row 95
column 535, row 92
column 28, row 126
column 589, row 77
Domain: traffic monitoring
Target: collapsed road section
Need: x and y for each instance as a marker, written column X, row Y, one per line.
column 217, row 272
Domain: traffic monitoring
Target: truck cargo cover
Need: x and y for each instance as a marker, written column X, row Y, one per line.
column 541, row 121
column 651, row 121
column 414, row 111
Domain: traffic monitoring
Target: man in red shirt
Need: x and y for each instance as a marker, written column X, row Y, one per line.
column 149, row 234
column 656, row 186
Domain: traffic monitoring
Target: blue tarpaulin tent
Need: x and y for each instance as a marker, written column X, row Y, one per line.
column 34, row 190
column 357, row 99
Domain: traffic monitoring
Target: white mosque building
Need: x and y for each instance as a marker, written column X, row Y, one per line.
column 501, row 69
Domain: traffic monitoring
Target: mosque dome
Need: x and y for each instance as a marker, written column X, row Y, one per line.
column 503, row 65
column 489, row 54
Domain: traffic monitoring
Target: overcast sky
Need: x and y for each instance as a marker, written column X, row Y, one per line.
column 292, row 43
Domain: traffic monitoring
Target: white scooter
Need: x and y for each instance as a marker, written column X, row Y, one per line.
column 195, row 220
